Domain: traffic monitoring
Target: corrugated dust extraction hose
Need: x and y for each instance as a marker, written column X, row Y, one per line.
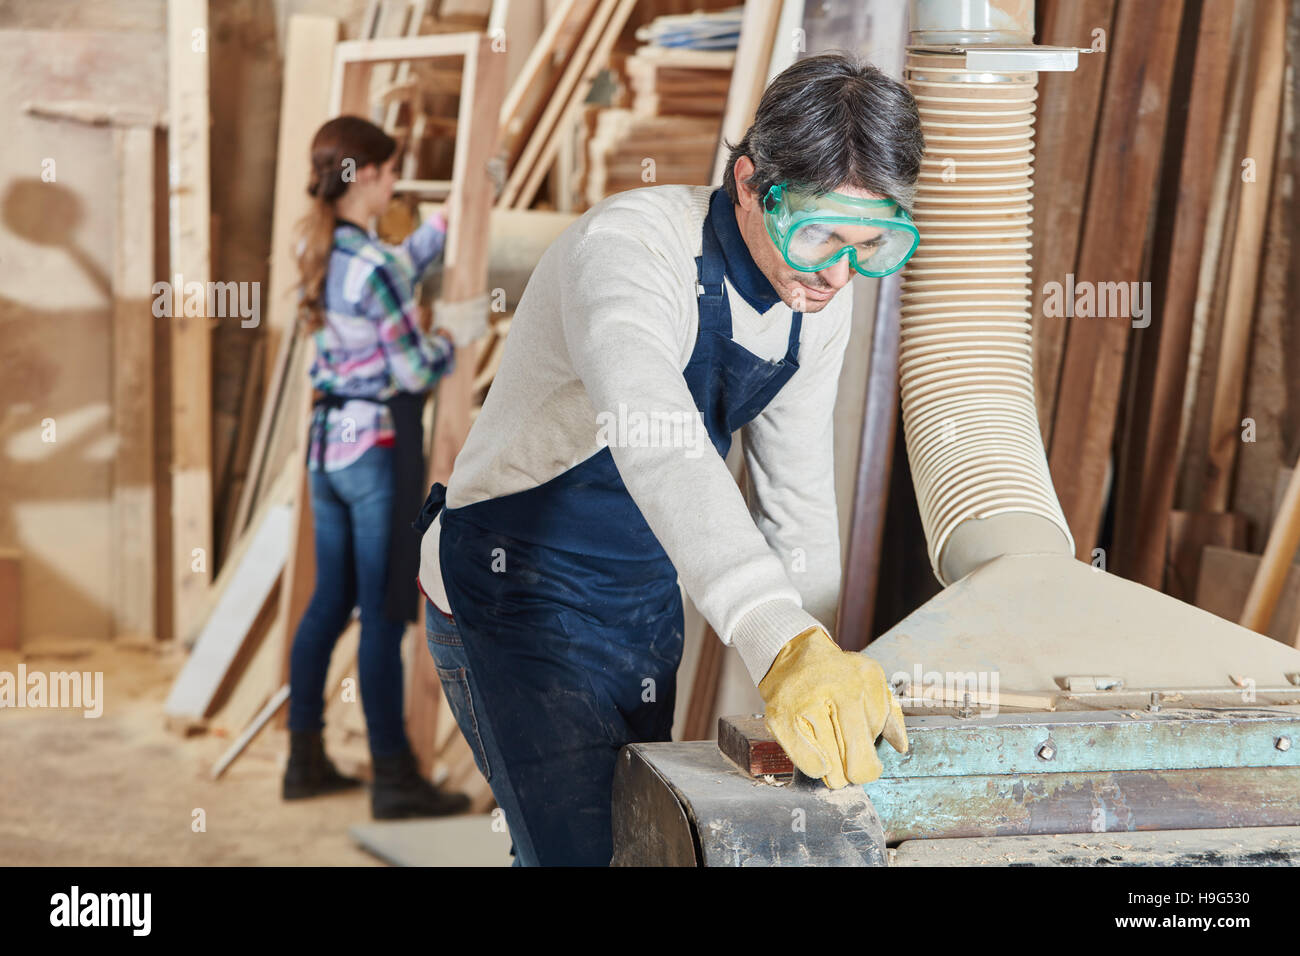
column 965, row 362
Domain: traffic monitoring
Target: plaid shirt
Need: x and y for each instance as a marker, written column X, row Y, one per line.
column 371, row 345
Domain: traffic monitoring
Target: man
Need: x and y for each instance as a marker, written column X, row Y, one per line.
column 556, row 616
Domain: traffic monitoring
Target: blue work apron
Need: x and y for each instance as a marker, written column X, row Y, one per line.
column 568, row 607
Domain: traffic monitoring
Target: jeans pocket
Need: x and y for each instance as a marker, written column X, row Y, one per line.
column 455, row 684
column 440, row 627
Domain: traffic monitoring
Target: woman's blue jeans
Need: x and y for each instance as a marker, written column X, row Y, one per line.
column 351, row 509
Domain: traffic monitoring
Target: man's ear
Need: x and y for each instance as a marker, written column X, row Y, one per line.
column 743, row 169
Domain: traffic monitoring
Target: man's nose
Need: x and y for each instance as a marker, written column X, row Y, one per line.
column 838, row 275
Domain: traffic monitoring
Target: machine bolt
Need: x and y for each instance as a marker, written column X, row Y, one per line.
column 1047, row 750
column 1154, row 706
column 1283, row 744
column 966, row 710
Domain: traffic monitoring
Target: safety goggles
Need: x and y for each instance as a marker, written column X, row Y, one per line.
column 815, row 231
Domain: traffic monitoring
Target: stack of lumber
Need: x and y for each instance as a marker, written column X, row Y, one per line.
column 545, row 101
column 1150, row 419
column 712, row 30
column 678, row 86
column 672, row 82
column 628, row 151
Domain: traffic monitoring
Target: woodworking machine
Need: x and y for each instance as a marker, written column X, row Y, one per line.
column 1057, row 715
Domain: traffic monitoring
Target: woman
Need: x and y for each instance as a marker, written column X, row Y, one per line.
column 373, row 369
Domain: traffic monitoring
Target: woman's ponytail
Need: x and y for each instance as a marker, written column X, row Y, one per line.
column 339, row 149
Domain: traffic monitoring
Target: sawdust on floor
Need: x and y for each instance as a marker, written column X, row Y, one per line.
column 122, row 790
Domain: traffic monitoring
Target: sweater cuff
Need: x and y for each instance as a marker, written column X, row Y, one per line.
column 760, row 633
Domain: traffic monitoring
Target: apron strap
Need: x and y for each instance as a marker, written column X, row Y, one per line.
column 326, row 401
column 792, row 347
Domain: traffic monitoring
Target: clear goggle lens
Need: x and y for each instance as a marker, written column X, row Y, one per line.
column 872, row 248
column 813, row 232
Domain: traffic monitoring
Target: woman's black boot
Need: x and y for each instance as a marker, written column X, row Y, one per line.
column 309, row 772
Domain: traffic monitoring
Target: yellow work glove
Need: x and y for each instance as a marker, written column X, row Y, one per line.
column 826, row 707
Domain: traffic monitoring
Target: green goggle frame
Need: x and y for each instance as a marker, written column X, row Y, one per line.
column 812, row 232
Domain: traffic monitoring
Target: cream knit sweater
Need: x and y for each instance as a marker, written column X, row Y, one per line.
column 605, row 328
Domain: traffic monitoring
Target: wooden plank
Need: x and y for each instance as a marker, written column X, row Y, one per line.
column 464, row 278
column 1121, row 194
column 704, row 688
column 1252, row 219
column 1065, row 129
column 871, row 484
column 1190, row 533
column 135, row 570
column 273, row 421
column 304, row 106
column 466, row 256
column 748, row 78
column 191, row 346
column 251, row 684
column 574, row 83
column 11, row 600
column 1211, row 284
column 222, row 638
column 1225, row 579
column 269, row 710
column 249, row 431
column 1279, row 554
column 572, row 111
column 515, row 125
column 300, row 564
column 1143, row 507
column 747, row 743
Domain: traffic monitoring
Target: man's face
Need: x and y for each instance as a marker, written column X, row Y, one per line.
column 807, row 292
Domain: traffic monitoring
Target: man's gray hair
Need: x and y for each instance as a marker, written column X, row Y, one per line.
column 831, row 120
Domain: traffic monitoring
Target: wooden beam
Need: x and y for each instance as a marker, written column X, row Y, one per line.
column 513, row 124
column 1143, row 505
column 11, row 599
column 573, row 110
column 191, row 347
column 1065, row 129
column 252, row 579
column 1190, row 534
column 748, row 78
column 465, row 277
column 135, row 569
column 871, row 486
column 269, row 710
column 1131, row 132
column 1279, row 554
column 304, row 106
column 1269, row 56
column 704, row 688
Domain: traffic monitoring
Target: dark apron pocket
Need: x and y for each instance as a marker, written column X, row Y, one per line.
column 455, row 684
